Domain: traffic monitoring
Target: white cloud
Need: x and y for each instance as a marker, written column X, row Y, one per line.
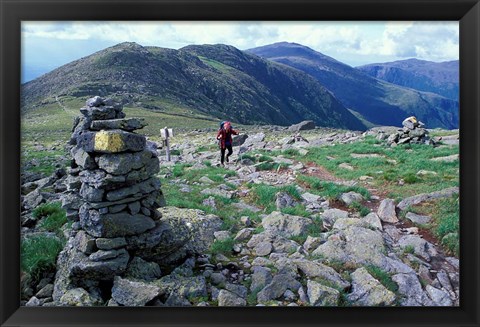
column 436, row 41
column 346, row 41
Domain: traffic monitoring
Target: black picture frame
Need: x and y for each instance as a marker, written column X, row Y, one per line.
column 12, row 12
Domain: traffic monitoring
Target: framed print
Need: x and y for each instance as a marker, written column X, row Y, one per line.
column 237, row 162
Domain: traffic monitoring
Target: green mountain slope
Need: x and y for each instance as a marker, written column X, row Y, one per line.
column 375, row 100
column 207, row 81
column 437, row 77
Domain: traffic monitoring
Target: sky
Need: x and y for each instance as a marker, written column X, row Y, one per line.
column 48, row 45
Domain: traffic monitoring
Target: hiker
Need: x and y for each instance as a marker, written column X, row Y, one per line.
column 225, row 140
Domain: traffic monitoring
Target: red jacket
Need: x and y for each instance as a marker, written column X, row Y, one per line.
column 225, row 137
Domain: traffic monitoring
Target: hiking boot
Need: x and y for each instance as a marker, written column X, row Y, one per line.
column 227, row 159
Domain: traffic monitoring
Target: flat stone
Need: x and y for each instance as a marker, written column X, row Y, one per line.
column 127, row 124
column 351, row 197
column 112, row 141
column 302, row 126
column 418, row 219
column 286, row 225
column 133, row 293
column 123, row 163
column 114, row 225
column 102, row 255
column 419, row 198
column 145, row 187
column 309, row 197
column 346, row 166
column 110, row 243
column 451, row 158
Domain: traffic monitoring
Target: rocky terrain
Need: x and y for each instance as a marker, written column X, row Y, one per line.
column 274, row 227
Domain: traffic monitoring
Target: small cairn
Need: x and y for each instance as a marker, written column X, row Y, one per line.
column 413, row 132
column 113, row 194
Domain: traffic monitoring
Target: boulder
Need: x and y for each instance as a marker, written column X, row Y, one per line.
column 261, row 277
column 133, row 293
column 226, row 298
column 413, row 295
column 322, row 296
column 277, row 287
column 77, row 297
column 373, row 220
column 351, row 197
column 418, row 219
column 367, row 291
column 141, row 269
column 329, row 217
column 314, row 269
column 386, row 211
column 302, row 126
column 286, row 225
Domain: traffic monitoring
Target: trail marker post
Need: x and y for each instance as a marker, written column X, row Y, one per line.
column 166, row 134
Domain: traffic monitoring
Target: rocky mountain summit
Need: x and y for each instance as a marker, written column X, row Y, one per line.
column 133, row 241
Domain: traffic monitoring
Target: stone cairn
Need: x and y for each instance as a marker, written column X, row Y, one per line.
column 113, row 197
column 413, row 132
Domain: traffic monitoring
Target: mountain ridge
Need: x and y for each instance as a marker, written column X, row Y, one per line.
column 377, row 101
column 195, row 80
column 428, row 76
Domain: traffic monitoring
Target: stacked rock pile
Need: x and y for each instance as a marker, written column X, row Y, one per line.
column 113, row 194
column 413, row 132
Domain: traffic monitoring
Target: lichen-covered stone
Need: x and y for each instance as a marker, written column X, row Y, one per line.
column 367, row 291
column 322, row 296
column 127, row 124
column 133, row 293
column 111, row 141
column 113, row 225
column 286, row 225
column 110, row 243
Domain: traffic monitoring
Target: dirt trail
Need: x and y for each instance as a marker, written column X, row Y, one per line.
column 67, row 110
column 438, row 262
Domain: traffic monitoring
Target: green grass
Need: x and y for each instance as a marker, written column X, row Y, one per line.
column 39, row 253
column 409, row 249
column 409, row 160
column 444, row 225
column 216, row 174
column 52, row 217
column 222, row 247
column 383, row 277
column 361, row 209
column 331, row 190
column 264, row 195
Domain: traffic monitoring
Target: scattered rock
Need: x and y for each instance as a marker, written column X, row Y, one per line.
column 418, row 219
column 386, row 211
column 367, row 291
column 131, row 293
column 321, row 295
